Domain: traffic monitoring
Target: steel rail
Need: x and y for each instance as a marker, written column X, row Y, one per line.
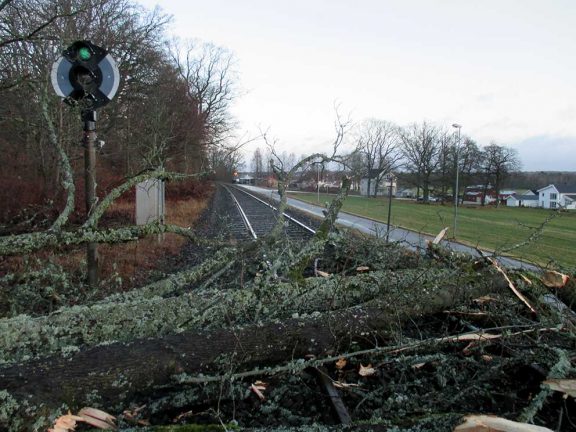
column 243, row 215
column 287, row 216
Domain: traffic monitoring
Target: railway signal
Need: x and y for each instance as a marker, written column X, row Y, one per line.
column 85, row 73
column 87, row 76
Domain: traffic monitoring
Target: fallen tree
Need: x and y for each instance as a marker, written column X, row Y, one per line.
column 114, row 374
column 108, row 321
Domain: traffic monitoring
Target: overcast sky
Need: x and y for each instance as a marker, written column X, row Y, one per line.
column 504, row 69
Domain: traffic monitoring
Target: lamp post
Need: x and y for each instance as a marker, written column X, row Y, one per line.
column 457, row 188
column 389, row 179
column 318, row 179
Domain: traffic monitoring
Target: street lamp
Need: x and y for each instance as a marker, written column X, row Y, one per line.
column 389, row 179
column 318, row 178
column 456, row 189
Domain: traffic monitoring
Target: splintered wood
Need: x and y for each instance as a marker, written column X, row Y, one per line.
column 511, row 285
column 92, row 416
column 554, row 279
column 566, row 386
column 487, row 423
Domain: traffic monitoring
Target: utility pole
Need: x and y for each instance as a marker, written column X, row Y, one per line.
column 89, row 141
column 389, row 178
column 456, row 189
column 317, row 179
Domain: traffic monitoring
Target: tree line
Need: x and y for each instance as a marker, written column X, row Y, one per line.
column 424, row 155
column 430, row 155
column 171, row 110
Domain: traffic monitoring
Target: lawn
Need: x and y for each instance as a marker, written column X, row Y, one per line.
column 487, row 227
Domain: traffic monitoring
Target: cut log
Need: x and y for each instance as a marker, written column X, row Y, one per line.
column 124, row 372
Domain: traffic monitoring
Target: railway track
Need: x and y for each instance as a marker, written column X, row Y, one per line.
column 256, row 218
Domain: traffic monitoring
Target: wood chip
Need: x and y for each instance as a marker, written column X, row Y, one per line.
column 554, row 279
column 322, row 273
column 366, row 370
column 362, row 269
column 97, row 418
column 341, row 363
column 487, row 423
column 92, row 416
column 65, row 423
column 258, row 387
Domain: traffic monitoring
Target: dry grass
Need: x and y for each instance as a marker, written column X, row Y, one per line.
column 132, row 262
column 121, row 266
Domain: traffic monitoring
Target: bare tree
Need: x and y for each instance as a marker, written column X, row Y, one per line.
column 356, row 169
column 420, row 148
column 208, row 73
column 257, row 163
column 497, row 164
column 284, row 175
column 379, row 144
column 447, row 153
column 469, row 157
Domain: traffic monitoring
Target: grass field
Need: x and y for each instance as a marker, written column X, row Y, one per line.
column 487, row 227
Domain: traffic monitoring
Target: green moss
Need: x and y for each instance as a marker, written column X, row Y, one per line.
column 103, row 322
column 10, row 412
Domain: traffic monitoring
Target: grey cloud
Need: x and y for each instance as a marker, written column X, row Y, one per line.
column 547, row 153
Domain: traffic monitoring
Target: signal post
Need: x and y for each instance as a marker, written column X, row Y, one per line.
column 87, row 76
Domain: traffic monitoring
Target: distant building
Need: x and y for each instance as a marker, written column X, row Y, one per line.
column 557, row 196
column 383, row 187
column 406, row 193
column 246, row 179
column 522, row 201
column 475, row 194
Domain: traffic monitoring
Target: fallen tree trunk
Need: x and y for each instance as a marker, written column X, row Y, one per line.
column 114, row 375
column 72, row 328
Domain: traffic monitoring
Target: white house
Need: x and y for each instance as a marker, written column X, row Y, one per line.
column 383, row 187
column 557, row 196
column 522, row 201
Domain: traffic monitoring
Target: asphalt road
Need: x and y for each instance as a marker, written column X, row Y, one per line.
column 411, row 239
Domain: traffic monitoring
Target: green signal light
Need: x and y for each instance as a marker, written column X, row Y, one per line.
column 84, row 53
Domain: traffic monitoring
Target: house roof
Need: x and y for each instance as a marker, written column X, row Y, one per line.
column 526, row 192
column 562, row 188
